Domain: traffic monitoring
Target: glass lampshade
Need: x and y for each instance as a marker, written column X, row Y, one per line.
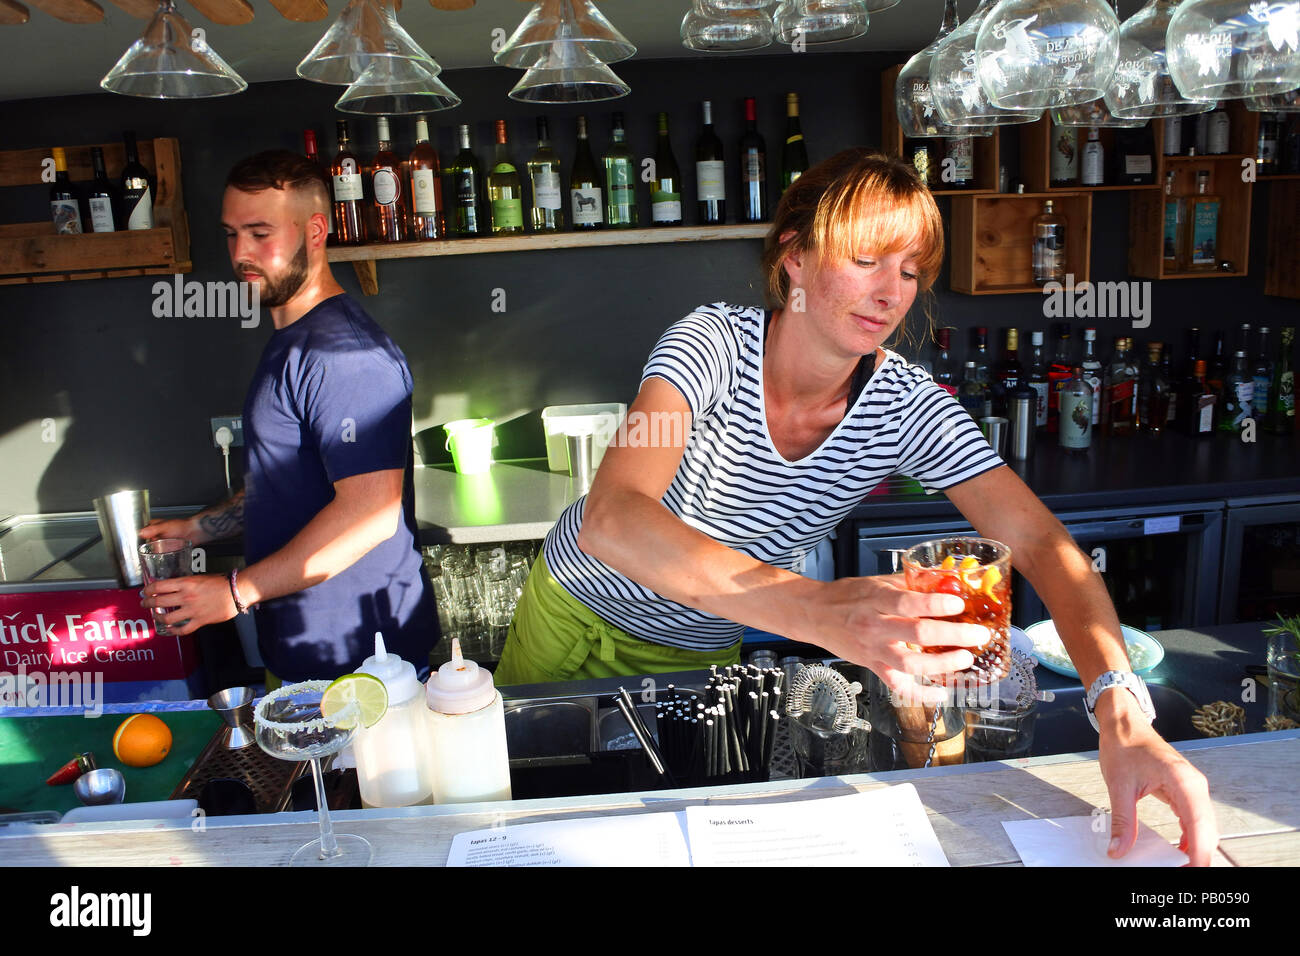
column 552, row 21
column 167, row 62
column 365, row 30
column 395, row 86
column 568, row 73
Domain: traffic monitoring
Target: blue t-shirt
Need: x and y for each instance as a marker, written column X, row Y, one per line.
column 331, row 398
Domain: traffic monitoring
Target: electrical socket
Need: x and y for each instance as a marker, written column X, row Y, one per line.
column 236, row 425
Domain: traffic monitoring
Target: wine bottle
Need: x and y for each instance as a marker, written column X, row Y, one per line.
column 1037, row 379
column 666, row 191
column 386, row 188
column 547, row 211
column 137, row 192
column 620, row 179
column 1049, row 247
column 753, row 168
column 311, row 151
column 465, row 175
column 505, row 194
column 428, row 220
column 794, row 158
column 345, row 172
column 585, row 204
column 101, row 195
column 710, row 173
column 1094, row 157
column 64, row 208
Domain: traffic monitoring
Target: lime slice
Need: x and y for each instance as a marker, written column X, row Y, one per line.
column 365, row 692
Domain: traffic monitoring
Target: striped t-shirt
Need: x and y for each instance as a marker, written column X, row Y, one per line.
column 734, row 485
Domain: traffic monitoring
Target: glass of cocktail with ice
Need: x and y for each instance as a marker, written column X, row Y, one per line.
column 978, row 570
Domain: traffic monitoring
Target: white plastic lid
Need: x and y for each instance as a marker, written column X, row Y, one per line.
column 398, row 675
column 459, row 686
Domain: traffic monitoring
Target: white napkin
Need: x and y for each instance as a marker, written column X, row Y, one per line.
column 1072, row 841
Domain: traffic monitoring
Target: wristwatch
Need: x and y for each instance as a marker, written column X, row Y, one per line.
column 1111, row 679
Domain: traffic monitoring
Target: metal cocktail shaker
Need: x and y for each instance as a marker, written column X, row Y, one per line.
column 121, row 516
column 1022, row 411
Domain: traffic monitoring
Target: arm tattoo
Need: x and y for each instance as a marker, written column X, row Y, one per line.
column 225, row 520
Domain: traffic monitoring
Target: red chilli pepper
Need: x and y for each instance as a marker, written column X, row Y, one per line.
column 70, row 771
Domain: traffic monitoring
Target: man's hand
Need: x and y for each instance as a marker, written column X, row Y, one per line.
column 199, row 600
column 1136, row 762
column 187, row 528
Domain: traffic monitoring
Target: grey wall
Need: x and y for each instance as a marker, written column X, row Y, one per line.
column 131, row 394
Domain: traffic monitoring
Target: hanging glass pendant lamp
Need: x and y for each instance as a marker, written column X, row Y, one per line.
column 565, row 22
column 397, row 86
column 170, row 62
column 365, row 30
column 568, row 73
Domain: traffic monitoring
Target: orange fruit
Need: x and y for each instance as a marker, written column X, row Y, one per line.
column 142, row 740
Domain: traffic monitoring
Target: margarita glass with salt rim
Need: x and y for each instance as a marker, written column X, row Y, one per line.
column 290, row 726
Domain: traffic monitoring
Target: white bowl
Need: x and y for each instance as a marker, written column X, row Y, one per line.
column 1144, row 651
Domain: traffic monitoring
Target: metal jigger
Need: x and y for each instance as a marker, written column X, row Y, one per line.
column 235, row 705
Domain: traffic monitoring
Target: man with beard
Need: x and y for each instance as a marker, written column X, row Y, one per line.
column 327, row 510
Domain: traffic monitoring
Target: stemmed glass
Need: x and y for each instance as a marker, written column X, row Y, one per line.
column 913, row 100
column 1142, row 87
column 1232, row 49
column 290, row 726
column 955, row 80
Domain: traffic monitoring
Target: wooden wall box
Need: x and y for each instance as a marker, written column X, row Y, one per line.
column 992, row 240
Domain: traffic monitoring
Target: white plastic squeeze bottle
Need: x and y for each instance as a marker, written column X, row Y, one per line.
column 468, row 719
column 395, row 756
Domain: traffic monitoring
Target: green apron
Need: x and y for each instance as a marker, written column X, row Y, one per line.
column 554, row 636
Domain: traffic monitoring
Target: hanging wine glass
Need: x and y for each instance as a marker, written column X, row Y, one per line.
column 955, row 85
column 1276, row 103
column 913, row 100
column 1230, row 49
column 820, row 21
column 1034, row 53
column 1142, row 87
column 728, row 30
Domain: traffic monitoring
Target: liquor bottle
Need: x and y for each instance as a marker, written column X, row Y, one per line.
column 345, row 173
column 1175, row 217
column 1037, row 378
column 465, row 177
column 1092, row 372
column 1282, row 389
column 386, row 188
column 1076, row 413
column 620, row 179
column 547, row 211
column 1217, row 373
column 1238, row 395
column 973, row 393
column 979, row 338
column 666, row 191
column 794, row 158
column 586, row 206
column 1058, row 373
column 710, row 173
column 1217, row 123
column 137, row 191
column 1196, row 404
column 1008, row 373
column 1201, row 230
column 920, row 154
column 1261, row 374
column 1173, row 135
column 505, row 193
column 1049, row 246
column 1120, row 391
column 1065, row 156
column 1094, row 160
column 101, row 195
column 1266, row 145
column 312, row 152
column 959, row 163
column 428, row 219
column 64, row 207
column 1171, row 390
column 1135, row 159
column 1153, row 393
column 945, row 369
column 753, row 168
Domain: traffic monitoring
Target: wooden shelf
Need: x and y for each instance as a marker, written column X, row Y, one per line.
column 363, row 258
column 1036, row 159
column 32, row 252
column 992, row 240
column 1282, row 274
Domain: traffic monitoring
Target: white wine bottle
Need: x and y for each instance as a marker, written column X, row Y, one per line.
column 666, row 192
column 505, row 195
column 586, row 206
column 547, row 211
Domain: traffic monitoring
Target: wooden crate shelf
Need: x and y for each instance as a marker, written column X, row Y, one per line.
column 32, row 252
column 992, row 240
column 1282, row 274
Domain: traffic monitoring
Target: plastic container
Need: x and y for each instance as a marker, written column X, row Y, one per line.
column 395, row 765
column 468, row 721
column 602, row 421
column 470, row 442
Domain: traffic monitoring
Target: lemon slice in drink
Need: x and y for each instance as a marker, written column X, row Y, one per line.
column 364, row 693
